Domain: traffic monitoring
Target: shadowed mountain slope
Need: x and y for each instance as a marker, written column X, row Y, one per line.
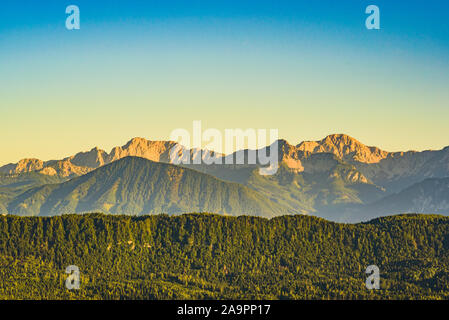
column 138, row 186
column 327, row 177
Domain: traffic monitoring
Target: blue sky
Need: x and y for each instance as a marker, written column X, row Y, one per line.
column 144, row 68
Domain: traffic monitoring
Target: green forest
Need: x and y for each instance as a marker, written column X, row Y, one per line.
column 207, row 256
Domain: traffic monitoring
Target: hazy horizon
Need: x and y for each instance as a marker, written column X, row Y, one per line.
column 143, row 69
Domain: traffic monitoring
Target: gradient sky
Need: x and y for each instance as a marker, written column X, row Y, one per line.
column 144, row 68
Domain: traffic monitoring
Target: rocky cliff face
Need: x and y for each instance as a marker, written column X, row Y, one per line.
column 331, row 176
column 158, row 151
column 345, row 148
column 24, row 165
column 84, row 162
column 93, row 159
column 393, row 170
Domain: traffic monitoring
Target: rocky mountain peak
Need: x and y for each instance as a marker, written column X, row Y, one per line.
column 92, row 159
column 140, row 147
column 344, row 147
column 24, row 165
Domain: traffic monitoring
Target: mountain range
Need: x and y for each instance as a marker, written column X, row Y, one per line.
column 136, row 186
column 338, row 178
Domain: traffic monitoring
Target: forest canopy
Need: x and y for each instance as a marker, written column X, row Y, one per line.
column 206, row 256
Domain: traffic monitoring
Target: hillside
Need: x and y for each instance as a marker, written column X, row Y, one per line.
column 391, row 170
column 12, row 185
column 430, row 195
column 202, row 256
column 337, row 177
column 305, row 182
column 135, row 185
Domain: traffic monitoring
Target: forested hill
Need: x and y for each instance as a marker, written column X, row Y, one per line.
column 134, row 185
column 201, row 256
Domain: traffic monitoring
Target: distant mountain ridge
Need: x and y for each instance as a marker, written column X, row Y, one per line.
column 329, row 176
column 84, row 162
column 342, row 146
column 390, row 170
column 345, row 148
column 133, row 185
column 430, row 196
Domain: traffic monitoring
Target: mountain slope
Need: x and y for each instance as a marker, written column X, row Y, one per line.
column 402, row 169
column 138, row 186
column 345, row 148
column 393, row 171
column 327, row 176
column 428, row 196
column 12, row 185
column 84, row 162
column 305, row 182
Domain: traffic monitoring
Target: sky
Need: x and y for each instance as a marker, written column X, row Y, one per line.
column 145, row 68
